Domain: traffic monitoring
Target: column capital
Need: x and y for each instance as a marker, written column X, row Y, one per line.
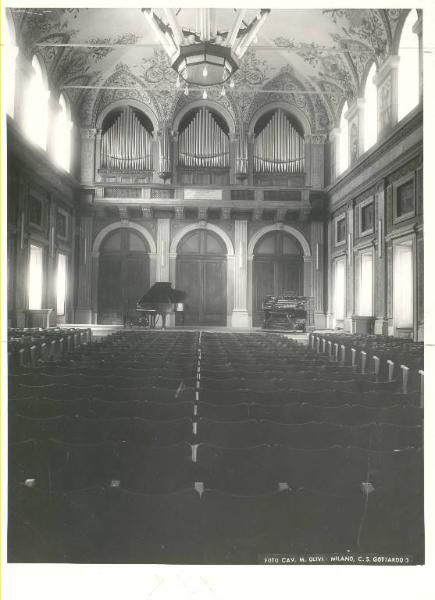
column 417, row 28
column 318, row 138
column 391, row 64
column 354, row 108
column 88, row 134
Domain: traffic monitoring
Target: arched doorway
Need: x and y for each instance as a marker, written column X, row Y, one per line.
column 202, row 274
column 124, row 275
column 277, row 268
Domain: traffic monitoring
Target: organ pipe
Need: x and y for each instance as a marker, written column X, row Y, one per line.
column 278, row 147
column 127, row 144
column 203, row 143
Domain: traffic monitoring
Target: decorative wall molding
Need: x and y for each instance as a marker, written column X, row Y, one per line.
column 117, row 225
column 279, row 227
column 201, row 225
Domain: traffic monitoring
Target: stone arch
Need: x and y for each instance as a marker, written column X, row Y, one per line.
column 224, row 113
column 365, row 75
column 127, row 102
column 201, row 225
column 44, row 72
column 308, row 284
column 280, row 227
column 404, row 14
column 121, row 225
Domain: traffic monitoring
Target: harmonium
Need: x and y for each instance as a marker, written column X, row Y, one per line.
column 288, row 311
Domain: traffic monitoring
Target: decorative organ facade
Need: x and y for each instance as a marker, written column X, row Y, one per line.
column 279, row 147
column 126, row 144
column 203, row 143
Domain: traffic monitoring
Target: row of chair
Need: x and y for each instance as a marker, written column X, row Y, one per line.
column 213, row 466
column 392, row 360
column 227, row 434
column 56, row 465
column 32, row 347
column 110, row 525
column 348, row 414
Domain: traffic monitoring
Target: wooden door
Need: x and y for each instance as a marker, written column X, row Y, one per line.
column 189, row 281
column 277, row 269
column 123, row 276
column 214, row 292
column 202, row 274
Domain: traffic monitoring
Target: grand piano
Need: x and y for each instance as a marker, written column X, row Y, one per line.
column 159, row 301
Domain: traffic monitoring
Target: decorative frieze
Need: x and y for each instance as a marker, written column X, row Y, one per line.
column 147, row 212
column 202, row 213
column 179, row 212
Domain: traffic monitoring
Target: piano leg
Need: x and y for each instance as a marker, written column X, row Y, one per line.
column 163, row 320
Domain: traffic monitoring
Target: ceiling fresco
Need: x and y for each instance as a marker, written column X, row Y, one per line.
column 312, row 59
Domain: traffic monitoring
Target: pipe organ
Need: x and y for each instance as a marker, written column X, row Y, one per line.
column 278, row 147
column 126, row 144
column 203, row 143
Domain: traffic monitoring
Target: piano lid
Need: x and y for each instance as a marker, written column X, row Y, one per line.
column 162, row 292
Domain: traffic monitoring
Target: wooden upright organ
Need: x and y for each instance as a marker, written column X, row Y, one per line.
column 288, row 311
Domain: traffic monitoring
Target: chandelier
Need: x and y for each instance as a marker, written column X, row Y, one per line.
column 205, row 57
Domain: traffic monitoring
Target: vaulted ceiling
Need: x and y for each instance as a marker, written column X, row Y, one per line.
column 313, row 59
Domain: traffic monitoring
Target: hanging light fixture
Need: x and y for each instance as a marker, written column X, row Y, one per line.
column 186, row 90
column 206, row 57
column 223, row 92
column 204, row 94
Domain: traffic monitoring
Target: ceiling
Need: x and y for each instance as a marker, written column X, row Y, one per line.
column 312, row 59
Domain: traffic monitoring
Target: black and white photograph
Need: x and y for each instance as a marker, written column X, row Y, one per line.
column 213, row 315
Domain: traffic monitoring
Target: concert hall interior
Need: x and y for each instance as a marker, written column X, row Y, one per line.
column 215, row 302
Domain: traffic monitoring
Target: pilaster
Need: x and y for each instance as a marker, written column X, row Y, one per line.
column 318, row 160
column 355, row 118
column 386, row 80
column 380, row 263
column 54, row 109
column 240, row 311
column 418, row 30
column 23, row 75
column 163, row 244
column 317, row 244
column 87, row 155
column 350, row 283
column 87, row 266
column 334, row 152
